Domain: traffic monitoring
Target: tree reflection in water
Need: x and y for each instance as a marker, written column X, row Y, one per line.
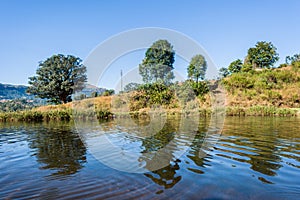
column 196, row 153
column 166, row 176
column 58, row 148
column 261, row 139
column 162, row 138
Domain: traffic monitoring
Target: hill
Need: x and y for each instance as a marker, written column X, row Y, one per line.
column 14, row 97
column 279, row 87
column 89, row 89
column 8, row 92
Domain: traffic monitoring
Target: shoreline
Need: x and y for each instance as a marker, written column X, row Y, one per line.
column 68, row 114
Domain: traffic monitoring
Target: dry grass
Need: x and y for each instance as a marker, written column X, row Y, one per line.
column 99, row 103
column 276, row 87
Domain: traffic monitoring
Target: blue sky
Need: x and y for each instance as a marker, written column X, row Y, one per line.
column 33, row 30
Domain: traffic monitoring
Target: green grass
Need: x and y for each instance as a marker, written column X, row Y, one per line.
column 69, row 114
column 53, row 115
column 261, row 111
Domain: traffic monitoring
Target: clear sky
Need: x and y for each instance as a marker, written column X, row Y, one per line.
column 33, row 30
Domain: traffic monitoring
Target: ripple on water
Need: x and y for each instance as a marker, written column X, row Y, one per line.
column 247, row 162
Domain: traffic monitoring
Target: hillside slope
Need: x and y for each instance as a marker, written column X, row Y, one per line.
column 13, row 92
column 270, row 87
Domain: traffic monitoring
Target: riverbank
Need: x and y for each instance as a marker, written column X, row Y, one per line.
column 267, row 92
column 100, row 108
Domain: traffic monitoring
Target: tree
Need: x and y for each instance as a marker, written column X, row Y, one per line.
column 292, row 59
column 94, row 94
column 131, row 87
column 197, row 68
column 157, row 65
column 196, row 73
column 235, row 66
column 57, row 78
column 263, row 55
column 223, row 72
column 108, row 92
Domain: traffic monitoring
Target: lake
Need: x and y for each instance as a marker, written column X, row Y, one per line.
column 252, row 158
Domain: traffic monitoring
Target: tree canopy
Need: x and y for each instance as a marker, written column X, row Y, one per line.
column 223, row 72
column 131, row 87
column 108, row 92
column 263, row 55
column 292, row 59
column 235, row 66
column 157, row 65
column 57, row 77
column 197, row 68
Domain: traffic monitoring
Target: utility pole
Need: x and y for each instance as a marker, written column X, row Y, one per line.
column 121, row 81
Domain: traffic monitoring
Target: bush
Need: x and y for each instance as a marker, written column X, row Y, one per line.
column 200, row 88
column 185, row 92
column 282, row 65
column 286, row 76
column 138, row 100
column 148, row 95
column 239, row 80
column 247, row 68
column 296, row 64
column 260, row 111
column 266, row 87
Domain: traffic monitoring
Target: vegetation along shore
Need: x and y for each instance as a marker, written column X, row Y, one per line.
column 248, row 87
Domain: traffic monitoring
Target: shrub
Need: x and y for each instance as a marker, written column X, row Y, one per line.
column 282, row 65
column 247, row 68
column 239, row 80
column 185, row 92
column 151, row 94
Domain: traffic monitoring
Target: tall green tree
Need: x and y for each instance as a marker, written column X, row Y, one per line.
column 235, row 66
column 223, row 72
column 292, row 59
column 263, row 55
column 57, row 77
column 197, row 68
column 157, row 65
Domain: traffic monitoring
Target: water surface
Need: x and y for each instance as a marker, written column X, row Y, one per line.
column 254, row 158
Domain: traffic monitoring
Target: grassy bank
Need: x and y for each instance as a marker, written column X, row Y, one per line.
column 278, row 88
column 261, row 111
column 54, row 115
column 85, row 109
column 67, row 114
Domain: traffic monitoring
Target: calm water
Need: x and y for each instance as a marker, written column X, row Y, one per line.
column 254, row 158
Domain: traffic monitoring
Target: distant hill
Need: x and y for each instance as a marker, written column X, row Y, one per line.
column 14, row 97
column 8, row 92
column 89, row 89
